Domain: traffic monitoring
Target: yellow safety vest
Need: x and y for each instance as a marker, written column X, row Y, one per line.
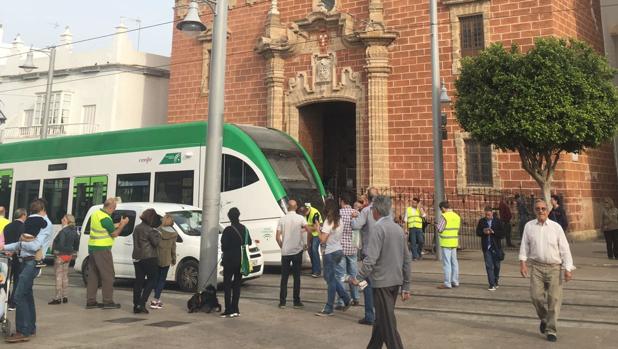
column 312, row 212
column 99, row 236
column 449, row 237
column 414, row 218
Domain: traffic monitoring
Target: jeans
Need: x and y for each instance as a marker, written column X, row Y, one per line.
column 315, row 256
column 25, row 315
column 145, row 268
column 450, row 266
column 161, row 281
column 348, row 266
column 416, row 242
column 331, row 261
column 492, row 266
column 296, row 261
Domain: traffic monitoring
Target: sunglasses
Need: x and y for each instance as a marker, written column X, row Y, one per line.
column 540, row 208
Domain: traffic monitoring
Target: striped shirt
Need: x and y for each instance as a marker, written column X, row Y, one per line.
column 346, row 237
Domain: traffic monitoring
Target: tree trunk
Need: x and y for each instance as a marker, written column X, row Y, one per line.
column 546, row 188
column 541, row 167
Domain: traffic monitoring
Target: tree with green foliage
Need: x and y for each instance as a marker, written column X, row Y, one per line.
column 558, row 97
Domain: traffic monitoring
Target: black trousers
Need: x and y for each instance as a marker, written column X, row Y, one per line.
column 507, row 233
column 290, row 263
column 611, row 240
column 385, row 326
column 232, row 279
column 144, row 269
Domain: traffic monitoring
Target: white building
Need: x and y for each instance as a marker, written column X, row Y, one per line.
column 109, row 89
column 609, row 18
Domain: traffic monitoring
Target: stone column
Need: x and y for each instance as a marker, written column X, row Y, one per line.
column 272, row 47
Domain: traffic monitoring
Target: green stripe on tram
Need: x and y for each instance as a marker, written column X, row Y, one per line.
column 171, row 136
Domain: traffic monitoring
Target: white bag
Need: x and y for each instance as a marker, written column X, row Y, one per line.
column 356, row 238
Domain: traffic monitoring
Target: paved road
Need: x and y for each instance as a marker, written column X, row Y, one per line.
column 467, row 317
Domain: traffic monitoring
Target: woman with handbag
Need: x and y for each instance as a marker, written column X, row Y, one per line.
column 234, row 240
column 65, row 245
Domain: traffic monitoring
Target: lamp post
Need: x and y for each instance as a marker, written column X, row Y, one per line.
column 214, row 141
column 439, row 98
column 29, row 66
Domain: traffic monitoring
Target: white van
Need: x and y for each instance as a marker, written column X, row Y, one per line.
column 187, row 220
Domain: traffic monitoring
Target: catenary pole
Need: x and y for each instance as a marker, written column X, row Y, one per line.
column 48, row 92
column 438, row 177
column 212, row 182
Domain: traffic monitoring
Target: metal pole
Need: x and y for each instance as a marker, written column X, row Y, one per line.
column 212, row 182
column 438, row 176
column 48, row 92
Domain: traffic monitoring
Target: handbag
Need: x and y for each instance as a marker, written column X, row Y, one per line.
column 500, row 254
column 356, row 239
column 246, row 266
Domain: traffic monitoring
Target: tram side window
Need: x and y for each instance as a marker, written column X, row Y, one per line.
column 236, row 173
column 176, row 187
column 25, row 193
column 6, row 182
column 56, row 193
column 87, row 192
column 134, row 187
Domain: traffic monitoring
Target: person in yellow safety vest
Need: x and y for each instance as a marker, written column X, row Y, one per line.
column 414, row 223
column 448, row 230
column 3, row 223
column 103, row 231
column 314, row 220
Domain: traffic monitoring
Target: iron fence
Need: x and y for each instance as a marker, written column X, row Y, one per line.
column 468, row 203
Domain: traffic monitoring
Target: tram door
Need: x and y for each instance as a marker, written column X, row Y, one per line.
column 87, row 192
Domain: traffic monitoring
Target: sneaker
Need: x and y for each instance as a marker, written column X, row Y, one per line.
column 65, row 300
column 94, row 305
column 112, row 306
column 324, row 313
column 552, row 337
column 55, row 301
column 298, row 305
column 235, row 315
column 346, row 306
column 156, row 305
column 281, row 305
column 491, row 288
column 225, row 315
column 455, row 285
column 355, row 302
column 40, row 264
column 11, row 308
column 443, row 287
column 315, row 275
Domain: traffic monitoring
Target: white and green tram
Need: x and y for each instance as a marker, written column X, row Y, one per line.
column 262, row 168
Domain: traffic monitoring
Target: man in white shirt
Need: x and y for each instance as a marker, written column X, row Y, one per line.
column 545, row 251
column 292, row 238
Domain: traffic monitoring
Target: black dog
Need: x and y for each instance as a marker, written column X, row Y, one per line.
column 206, row 301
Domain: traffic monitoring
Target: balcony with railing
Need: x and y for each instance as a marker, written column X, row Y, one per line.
column 12, row 134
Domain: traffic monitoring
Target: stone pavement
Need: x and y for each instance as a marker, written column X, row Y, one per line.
column 467, row 317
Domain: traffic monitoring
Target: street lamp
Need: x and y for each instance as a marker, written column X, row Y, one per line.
column 445, row 100
column 29, row 66
column 209, row 246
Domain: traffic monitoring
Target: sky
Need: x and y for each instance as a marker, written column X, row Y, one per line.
column 40, row 22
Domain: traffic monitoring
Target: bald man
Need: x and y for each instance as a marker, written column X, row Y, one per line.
column 291, row 237
column 100, row 260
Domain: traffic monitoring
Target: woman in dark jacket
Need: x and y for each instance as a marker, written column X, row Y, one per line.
column 145, row 258
column 65, row 245
column 232, row 240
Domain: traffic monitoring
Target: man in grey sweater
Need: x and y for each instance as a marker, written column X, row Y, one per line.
column 387, row 266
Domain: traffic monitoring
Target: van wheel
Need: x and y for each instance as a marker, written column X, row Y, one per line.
column 186, row 275
column 86, row 271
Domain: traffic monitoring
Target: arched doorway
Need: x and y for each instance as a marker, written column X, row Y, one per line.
column 328, row 131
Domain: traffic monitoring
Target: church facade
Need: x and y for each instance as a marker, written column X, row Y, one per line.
column 351, row 80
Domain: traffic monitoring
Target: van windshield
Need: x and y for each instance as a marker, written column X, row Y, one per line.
column 189, row 221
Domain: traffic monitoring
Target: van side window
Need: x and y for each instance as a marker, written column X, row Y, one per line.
column 235, row 173
column 118, row 214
